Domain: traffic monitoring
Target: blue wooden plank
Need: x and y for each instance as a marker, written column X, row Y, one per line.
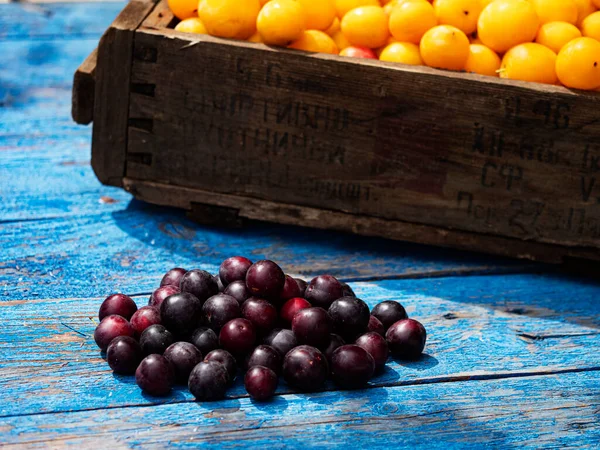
column 526, row 413
column 45, row 155
column 36, row 119
column 554, row 297
column 32, row 69
column 37, row 116
column 48, row 346
column 52, row 177
column 61, row 20
column 39, row 120
column 129, row 249
column 47, row 178
column 479, row 327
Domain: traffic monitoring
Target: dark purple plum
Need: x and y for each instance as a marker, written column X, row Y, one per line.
column 347, row 290
column 117, row 304
column 265, row 355
column 238, row 290
column 351, row 366
column 281, row 340
column 389, row 312
column 291, row 289
column 220, row 309
column 144, row 317
column 109, row 328
column 312, row 326
column 335, row 341
column 350, row 317
column 305, row 368
column 261, row 313
column 265, row 279
column 323, row 290
column 156, row 339
column 181, row 313
column 234, row 269
column 238, row 337
column 155, row 375
column 377, row 347
column 183, row 356
column 406, row 339
column 291, row 307
column 159, row 295
column 208, row 381
column 124, row 355
column 219, row 283
column 376, row 326
column 224, row 357
column 260, row 382
column 199, row 283
column 173, row 277
column 302, row 285
column 205, row 340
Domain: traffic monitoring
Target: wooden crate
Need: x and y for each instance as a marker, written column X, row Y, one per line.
column 232, row 130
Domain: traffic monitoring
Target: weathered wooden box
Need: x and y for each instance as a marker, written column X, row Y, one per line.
column 229, row 129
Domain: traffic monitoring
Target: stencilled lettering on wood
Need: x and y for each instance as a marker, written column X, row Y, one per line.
column 534, row 180
column 512, row 162
column 540, row 113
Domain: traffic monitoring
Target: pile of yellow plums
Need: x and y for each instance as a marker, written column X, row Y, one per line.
column 545, row 41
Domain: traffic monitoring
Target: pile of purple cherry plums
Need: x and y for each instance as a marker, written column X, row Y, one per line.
column 202, row 329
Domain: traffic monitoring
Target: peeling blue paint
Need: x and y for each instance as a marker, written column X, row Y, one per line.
column 511, row 362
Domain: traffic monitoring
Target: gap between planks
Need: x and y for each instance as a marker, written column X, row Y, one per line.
column 520, row 267
column 466, row 377
column 531, row 268
column 450, row 273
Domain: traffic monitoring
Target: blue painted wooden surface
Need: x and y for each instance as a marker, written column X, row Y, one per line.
column 68, row 20
column 38, row 137
column 465, row 340
column 539, row 412
column 512, row 356
column 130, row 247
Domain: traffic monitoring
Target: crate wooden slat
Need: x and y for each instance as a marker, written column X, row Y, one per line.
column 374, row 148
column 112, row 75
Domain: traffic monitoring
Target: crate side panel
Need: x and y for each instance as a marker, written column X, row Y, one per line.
column 415, row 145
column 255, row 209
column 111, row 96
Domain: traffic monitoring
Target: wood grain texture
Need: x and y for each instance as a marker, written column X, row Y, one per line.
column 130, row 245
column 281, row 126
column 52, row 351
column 44, row 161
column 37, row 115
column 112, row 81
column 160, row 17
column 23, row 86
column 23, row 20
column 37, row 136
column 539, row 412
column 35, row 94
column 553, row 297
column 490, row 336
column 251, row 208
column 64, row 184
column 84, row 88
